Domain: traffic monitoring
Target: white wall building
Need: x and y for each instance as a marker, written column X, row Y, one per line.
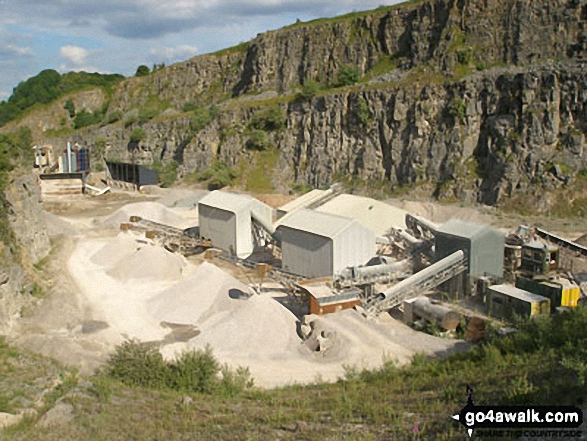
column 315, row 244
column 225, row 219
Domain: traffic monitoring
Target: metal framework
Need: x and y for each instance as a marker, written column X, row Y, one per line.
column 424, row 280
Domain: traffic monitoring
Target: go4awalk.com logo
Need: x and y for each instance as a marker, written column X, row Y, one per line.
column 553, row 421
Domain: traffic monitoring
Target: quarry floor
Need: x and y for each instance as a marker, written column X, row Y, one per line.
column 104, row 286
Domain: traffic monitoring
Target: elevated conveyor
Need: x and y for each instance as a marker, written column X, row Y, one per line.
column 424, row 280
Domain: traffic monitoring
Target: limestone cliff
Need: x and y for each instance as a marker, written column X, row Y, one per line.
column 484, row 99
column 29, row 244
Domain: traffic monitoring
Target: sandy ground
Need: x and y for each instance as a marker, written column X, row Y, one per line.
column 107, row 286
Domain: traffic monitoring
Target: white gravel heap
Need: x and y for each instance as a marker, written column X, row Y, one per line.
column 153, row 211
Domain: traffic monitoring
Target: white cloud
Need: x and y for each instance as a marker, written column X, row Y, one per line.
column 75, row 54
column 4, row 95
column 10, row 50
column 176, row 53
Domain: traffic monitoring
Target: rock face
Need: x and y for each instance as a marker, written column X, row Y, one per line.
column 483, row 99
column 30, row 244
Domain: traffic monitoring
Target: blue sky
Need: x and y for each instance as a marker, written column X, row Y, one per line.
column 116, row 36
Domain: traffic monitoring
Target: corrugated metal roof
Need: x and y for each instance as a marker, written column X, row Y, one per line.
column 461, row 228
column 375, row 215
column 517, row 293
column 320, row 224
column 302, row 201
column 227, row 201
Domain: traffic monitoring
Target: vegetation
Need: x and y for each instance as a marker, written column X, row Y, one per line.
column 167, row 174
column 137, row 135
column 347, row 76
column 268, row 119
column 258, row 140
column 201, row 117
column 70, row 107
column 153, row 107
column 142, row 71
column 136, row 364
column 309, row 90
column 258, row 175
column 543, row 363
column 49, row 85
column 218, row 175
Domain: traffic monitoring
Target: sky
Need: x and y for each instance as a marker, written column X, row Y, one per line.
column 116, row 36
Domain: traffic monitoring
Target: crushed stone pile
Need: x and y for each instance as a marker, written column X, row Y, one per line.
column 182, row 198
column 148, row 262
column 259, row 326
column 232, row 320
column 153, row 211
column 205, row 292
column 120, row 247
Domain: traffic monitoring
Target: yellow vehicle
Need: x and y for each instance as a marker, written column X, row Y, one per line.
column 560, row 291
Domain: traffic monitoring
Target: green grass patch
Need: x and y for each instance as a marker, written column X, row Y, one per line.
column 258, row 176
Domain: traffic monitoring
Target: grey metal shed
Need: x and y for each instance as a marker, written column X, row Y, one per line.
column 483, row 244
column 315, row 244
column 225, row 219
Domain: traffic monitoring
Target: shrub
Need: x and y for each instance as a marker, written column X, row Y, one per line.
column 361, row 110
column 85, row 118
column 258, row 140
column 309, row 90
column 219, row 175
column 269, row 119
column 113, row 117
column 137, row 135
column 70, row 107
column 137, row 364
column 347, row 76
column 194, row 371
column 458, row 109
column 234, row 383
column 166, row 174
column 201, row 117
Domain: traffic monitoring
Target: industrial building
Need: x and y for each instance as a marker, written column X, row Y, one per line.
column 129, row 176
column 375, row 215
column 504, row 301
column 226, row 219
column 315, row 244
column 324, row 300
column 483, row 245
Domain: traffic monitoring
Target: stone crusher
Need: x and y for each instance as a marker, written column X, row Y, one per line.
column 173, row 239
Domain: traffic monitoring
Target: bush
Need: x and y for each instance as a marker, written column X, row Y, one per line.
column 137, row 364
column 70, row 107
column 309, row 90
column 269, row 119
column 194, row 371
column 137, row 135
column 258, row 140
column 219, row 175
column 201, row 117
column 166, row 174
column 85, row 118
column 361, row 110
column 113, row 117
column 347, row 76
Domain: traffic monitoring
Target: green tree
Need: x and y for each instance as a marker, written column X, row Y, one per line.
column 142, row 71
column 70, row 107
column 347, row 76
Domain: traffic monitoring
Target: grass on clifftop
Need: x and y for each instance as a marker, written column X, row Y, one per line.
column 544, row 363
